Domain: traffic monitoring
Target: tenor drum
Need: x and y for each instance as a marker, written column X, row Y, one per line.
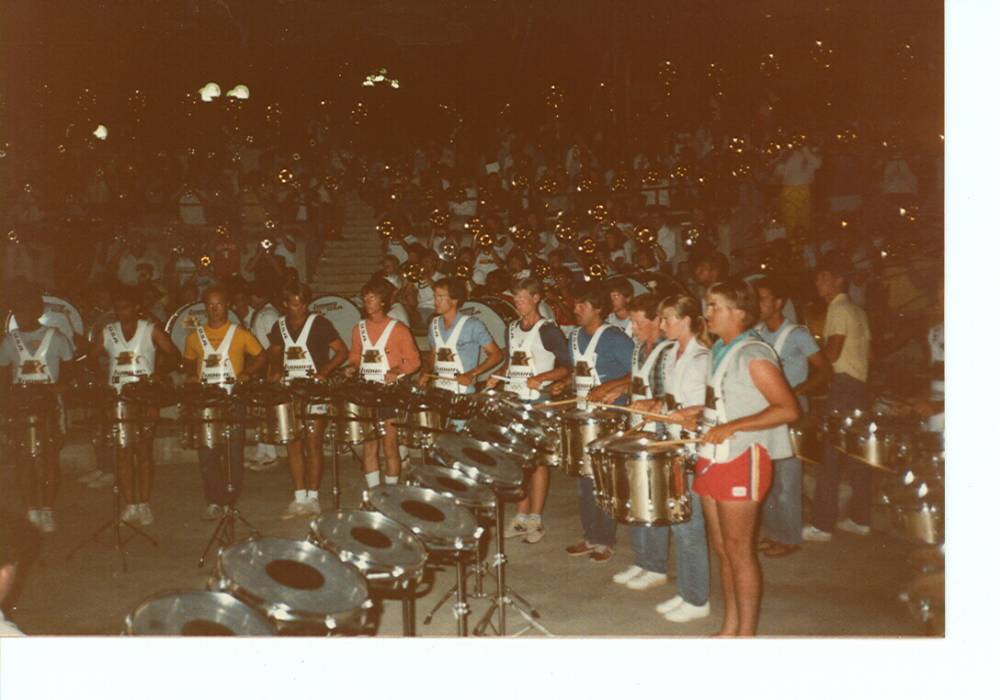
column 876, row 440
column 918, row 512
column 385, row 552
column 204, row 418
column 481, row 461
column 358, row 412
column 579, row 429
column 129, row 422
column 437, row 520
column 420, row 419
column 300, row 587
column 645, row 481
column 503, row 437
column 196, row 614
column 807, row 439
column 273, row 412
column 465, row 490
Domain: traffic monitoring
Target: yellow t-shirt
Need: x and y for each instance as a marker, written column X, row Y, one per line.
column 843, row 317
column 243, row 344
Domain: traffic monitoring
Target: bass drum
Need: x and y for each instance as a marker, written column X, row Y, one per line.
column 61, row 314
column 342, row 313
column 495, row 313
column 183, row 322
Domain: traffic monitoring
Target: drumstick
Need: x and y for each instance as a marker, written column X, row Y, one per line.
column 655, row 416
column 553, row 404
column 499, row 378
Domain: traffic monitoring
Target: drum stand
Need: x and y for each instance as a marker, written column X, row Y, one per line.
column 505, row 595
column 225, row 531
column 479, row 570
column 115, row 524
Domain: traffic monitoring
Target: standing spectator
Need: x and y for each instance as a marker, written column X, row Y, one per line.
column 797, row 174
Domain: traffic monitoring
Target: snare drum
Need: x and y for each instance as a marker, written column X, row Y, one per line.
column 918, row 512
column 385, row 552
column 274, row 412
column 196, row 614
column 465, row 490
column 579, row 429
column 439, row 521
column 876, row 440
column 358, row 413
column 300, row 587
column 807, row 439
column 598, row 451
column 646, row 481
column 481, row 461
column 204, row 418
column 129, row 422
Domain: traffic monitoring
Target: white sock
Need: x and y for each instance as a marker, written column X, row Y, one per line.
column 533, row 517
column 372, row 479
column 392, row 479
column 300, row 495
column 312, row 495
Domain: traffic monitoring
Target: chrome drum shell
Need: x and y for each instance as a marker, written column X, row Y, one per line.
column 646, row 483
column 579, row 429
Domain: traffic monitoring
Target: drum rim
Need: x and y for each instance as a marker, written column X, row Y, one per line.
column 490, row 497
column 454, row 543
column 177, row 592
column 501, row 481
column 410, row 571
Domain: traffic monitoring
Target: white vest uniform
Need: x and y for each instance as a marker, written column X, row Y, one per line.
column 585, row 375
column 779, row 342
column 32, row 368
column 528, row 357
column 641, row 387
column 297, row 362
column 216, row 365
column 447, row 363
column 130, row 361
column 374, row 362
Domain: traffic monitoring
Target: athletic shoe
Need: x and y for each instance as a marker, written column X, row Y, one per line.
column 600, row 555
column 296, row 509
column 517, row 527
column 213, row 512
column 87, row 477
column 814, row 534
column 130, row 513
column 35, row 517
column 261, row 466
column 535, row 532
column 685, row 612
column 623, row 577
column 312, row 507
column 145, row 514
column 668, row 605
column 580, row 549
column 848, row 525
column 646, row 580
column 47, row 520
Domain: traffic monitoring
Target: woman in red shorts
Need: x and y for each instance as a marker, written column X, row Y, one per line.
column 748, row 406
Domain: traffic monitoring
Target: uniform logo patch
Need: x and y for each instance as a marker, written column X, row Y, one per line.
column 740, row 491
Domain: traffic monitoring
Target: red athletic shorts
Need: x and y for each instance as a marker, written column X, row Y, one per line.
column 746, row 478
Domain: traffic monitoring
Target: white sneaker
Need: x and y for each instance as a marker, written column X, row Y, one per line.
column 668, row 605
column 47, row 520
column 848, row 525
column 35, row 517
column 535, row 532
column 312, row 507
column 145, row 514
column 646, row 580
column 262, row 466
column 516, row 528
column 130, row 513
column 295, row 509
column 623, row 577
column 814, row 534
column 685, row 612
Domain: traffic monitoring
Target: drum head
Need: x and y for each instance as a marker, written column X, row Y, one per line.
column 197, row 614
column 480, row 460
column 372, row 542
column 340, row 312
column 466, row 490
column 439, row 521
column 293, row 581
column 56, row 306
column 183, row 322
column 495, row 313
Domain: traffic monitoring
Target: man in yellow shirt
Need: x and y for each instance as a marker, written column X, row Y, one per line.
column 219, row 350
column 846, row 344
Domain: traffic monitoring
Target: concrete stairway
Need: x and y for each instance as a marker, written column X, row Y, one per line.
column 347, row 263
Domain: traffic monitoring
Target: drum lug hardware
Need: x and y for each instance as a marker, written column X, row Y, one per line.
column 460, row 610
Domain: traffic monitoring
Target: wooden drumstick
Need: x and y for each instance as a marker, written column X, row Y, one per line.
column 553, row 404
column 499, row 378
column 655, row 416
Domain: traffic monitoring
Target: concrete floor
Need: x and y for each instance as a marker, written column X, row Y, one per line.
column 848, row 587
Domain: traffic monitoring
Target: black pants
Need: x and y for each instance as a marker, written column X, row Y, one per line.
column 214, row 478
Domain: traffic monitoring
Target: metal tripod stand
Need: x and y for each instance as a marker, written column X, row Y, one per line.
column 225, row 531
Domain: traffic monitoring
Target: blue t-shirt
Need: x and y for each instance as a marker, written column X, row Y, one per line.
column 799, row 345
column 473, row 339
column 614, row 353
